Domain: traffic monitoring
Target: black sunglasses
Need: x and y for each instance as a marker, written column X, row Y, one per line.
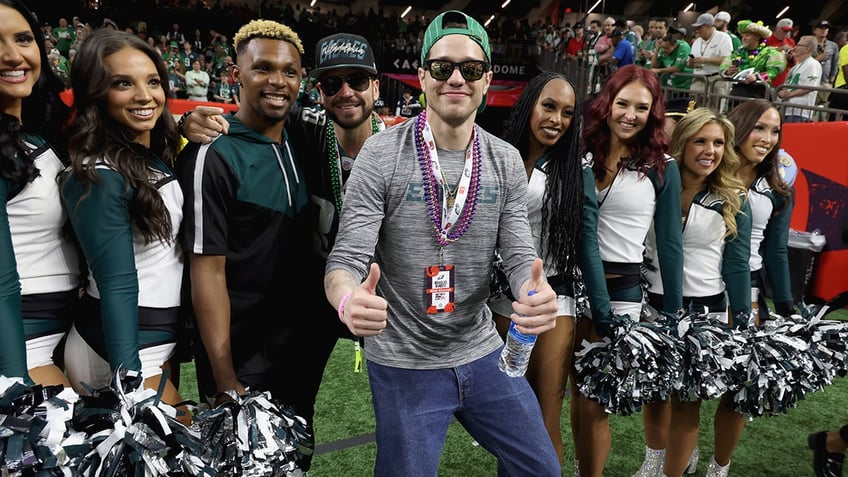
column 357, row 81
column 471, row 70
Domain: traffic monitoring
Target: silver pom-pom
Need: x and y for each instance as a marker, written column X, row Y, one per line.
column 827, row 350
column 273, row 440
column 636, row 365
column 124, row 430
column 708, row 351
column 32, row 427
column 769, row 372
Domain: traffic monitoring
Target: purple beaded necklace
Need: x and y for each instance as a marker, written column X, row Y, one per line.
column 445, row 238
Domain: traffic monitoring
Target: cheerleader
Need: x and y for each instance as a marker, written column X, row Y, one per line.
column 562, row 208
column 758, row 132
column 716, row 244
column 39, row 265
column 638, row 187
column 125, row 204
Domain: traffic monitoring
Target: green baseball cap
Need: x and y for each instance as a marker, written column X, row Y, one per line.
column 472, row 29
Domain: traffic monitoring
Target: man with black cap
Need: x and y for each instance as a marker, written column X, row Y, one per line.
column 826, row 53
column 678, row 31
column 620, row 52
column 346, row 76
column 425, row 207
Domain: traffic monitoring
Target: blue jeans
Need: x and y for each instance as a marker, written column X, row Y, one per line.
column 413, row 409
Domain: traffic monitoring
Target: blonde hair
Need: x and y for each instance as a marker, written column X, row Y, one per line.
column 723, row 181
column 266, row 29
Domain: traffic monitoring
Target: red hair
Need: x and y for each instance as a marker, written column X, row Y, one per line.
column 649, row 148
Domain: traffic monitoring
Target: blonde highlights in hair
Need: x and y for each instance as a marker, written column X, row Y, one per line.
column 723, row 181
column 267, row 29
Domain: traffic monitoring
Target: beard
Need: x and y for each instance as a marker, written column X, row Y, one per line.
column 350, row 120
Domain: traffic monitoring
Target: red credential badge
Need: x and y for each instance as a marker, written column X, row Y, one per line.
column 440, row 288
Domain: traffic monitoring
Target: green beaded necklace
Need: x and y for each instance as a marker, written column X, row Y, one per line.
column 333, row 159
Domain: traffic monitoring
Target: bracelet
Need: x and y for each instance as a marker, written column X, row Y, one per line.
column 231, row 393
column 342, row 304
column 182, row 120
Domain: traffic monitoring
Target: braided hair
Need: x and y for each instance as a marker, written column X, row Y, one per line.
column 562, row 203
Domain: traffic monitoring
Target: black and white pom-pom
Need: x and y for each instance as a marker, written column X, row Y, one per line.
column 32, row 427
column 827, row 350
column 708, row 351
column 769, row 373
column 123, row 429
column 252, row 437
column 273, row 440
column 636, row 365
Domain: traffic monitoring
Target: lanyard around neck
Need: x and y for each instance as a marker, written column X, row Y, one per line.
column 452, row 201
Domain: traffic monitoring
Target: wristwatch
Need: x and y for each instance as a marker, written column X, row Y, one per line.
column 182, row 120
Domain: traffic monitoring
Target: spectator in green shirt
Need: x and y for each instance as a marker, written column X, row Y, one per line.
column 648, row 44
column 65, row 36
column 673, row 57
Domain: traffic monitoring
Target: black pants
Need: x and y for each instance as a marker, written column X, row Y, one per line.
column 839, row 100
column 752, row 90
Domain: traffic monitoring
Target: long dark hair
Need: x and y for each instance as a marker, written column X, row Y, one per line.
column 94, row 133
column 744, row 117
column 562, row 203
column 649, row 148
column 42, row 112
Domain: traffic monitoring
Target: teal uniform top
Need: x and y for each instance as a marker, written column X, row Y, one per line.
column 13, row 361
column 39, row 267
column 771, row 214
column 712, row 263
column 126, row 273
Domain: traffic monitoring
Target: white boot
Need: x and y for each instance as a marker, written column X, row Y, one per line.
column 715, row 470
column 653, row 464
column 692, row 466
column 576, row 468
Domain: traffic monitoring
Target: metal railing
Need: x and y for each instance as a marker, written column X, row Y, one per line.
column 718, row 92
column 821, row 111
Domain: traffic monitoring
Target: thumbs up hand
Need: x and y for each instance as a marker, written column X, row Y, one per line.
column 363, row 311
column 535, row 313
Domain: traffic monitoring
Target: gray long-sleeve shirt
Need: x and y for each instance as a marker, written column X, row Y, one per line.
column 386, row 217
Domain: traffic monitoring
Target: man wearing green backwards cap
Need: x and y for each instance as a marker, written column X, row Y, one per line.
column 425, row 206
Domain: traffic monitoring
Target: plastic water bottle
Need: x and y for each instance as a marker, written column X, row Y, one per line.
column 516, row 351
